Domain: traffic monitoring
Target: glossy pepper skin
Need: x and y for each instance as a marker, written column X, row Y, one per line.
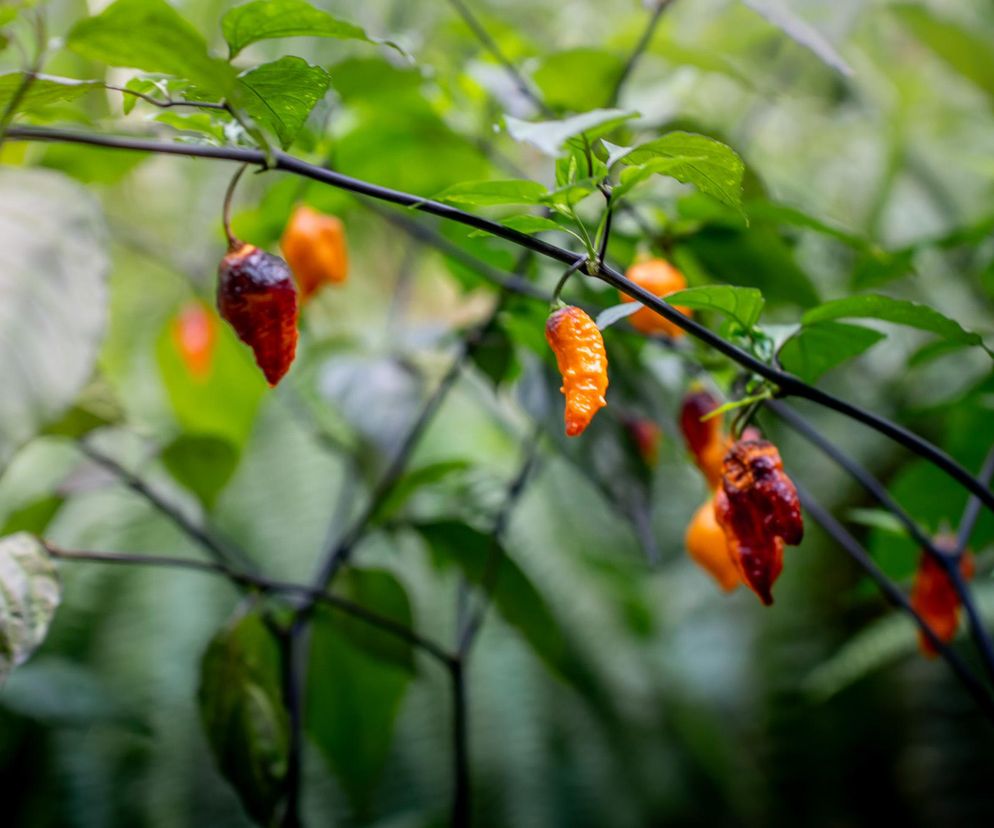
column 579, row 349
column 707, row 546
column 758, row 509
column 194, row 334
column 934, row 598
column 704, row 438
column 658, row 277
column 257, row 297
column 314, row 246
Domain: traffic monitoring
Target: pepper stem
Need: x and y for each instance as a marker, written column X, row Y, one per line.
column 233, row 242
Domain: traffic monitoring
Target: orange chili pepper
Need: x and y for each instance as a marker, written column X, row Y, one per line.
column 934, row 598
column 257, row 297
column 194, row 333
column 758, row 508
column 315, row 249
column 579, row 349
column 707, row 546
column 658, row 277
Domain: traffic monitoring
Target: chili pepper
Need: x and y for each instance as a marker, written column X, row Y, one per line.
column 646, row 436
column 707, row 546
column 194, row 333
column 704, row 437
column 257, row 297
column 758, row 509
column 314, row 247
column 934, row 597
column 579, row 349
column 658, row 277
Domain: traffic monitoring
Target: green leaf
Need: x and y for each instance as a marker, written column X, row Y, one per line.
column 243, row 715
column 414, row 480
column 550, row 136
column 822, row 346
column 576, row 78
column 53, row 297
column 494, row 354
column 709, row 165
column 29, row 595
column 33, row 517
column 511, row 191
column 280, row 95
column 526, row 223
column 900, row 312
column 201, row 463
column 43, row 91
column 743, row 304
column 268, row 19
column 966, row 52
column 152, row 36
column 379, row 591
column 800, row 31
column 607, row 317
column 353, row 699
column 878, row 267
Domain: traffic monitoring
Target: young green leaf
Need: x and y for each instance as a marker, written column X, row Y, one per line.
column 29, row 595
column 280, row 95
column 898, row 311
column 742, row 304
column 481, row 193
column 150, row 35
column 243, row 715
column 549, row 136
column 822, row 346
column 43, row 91
column 707, row 164
column 267, row 19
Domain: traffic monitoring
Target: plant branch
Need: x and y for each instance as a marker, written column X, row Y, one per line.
column 169, row 102
column 640, row 47
column 854, row 549
column 972, row 510
column 460, row 748
column 788, row 384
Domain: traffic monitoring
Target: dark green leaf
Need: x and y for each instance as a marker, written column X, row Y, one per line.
column 378, row 591
column 968, row 53
column 150, row 35
column 414, row 480
column 694, row 159
column 900, row 312
column 280, row 95
column 33, row 517
column 352, row 703
column 818, row 348
column 29, row 595
column 740, row 303
column 202, row 463
column 577, row 78
column 512, row 191
column 242, row 711
column 494, row 355
column 268, row 19
column 43, row 91
column 549, row 136
column 878, row 267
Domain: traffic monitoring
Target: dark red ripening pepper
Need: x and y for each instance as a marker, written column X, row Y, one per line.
column 257, row 296
column 646, row 437
column 758, row 509
column 934, row 597
column 704, row 438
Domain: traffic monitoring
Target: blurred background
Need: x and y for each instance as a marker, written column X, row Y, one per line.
column 676, row 704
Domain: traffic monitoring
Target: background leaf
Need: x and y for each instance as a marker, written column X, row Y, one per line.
column 201, row 463
column 29, row 595
column 822, row 346
column 43, row 90
column 549, row 136
column 800, row 31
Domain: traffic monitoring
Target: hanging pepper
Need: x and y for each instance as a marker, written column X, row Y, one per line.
column 758, row 509
column 314, row 247
column 660, row 278
column 257, row 297
column 194, row 334
column 934, row 597
column 707, row 546
column 579, row 349
column 646, row 436
column 703, row 437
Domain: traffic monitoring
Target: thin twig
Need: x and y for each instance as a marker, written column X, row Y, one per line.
column 169, row 102
column 462, row 792
column 854, row 549
column 788, row 384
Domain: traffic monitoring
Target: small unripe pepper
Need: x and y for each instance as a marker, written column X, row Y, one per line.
column 579, row 349
column 194, row 334
column 257, row 297
column 934, row 597
column 758, row 508
column 314, row 246
column 660, row 278
column 707, row 546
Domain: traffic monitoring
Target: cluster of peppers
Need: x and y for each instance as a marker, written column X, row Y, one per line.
column 257, row 294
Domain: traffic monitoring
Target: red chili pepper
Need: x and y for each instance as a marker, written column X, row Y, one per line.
column 758, row 509
column 934, row 597
column 257, row 297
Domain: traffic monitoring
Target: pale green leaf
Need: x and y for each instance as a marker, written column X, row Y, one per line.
column 29, row 595
column 550, row 136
